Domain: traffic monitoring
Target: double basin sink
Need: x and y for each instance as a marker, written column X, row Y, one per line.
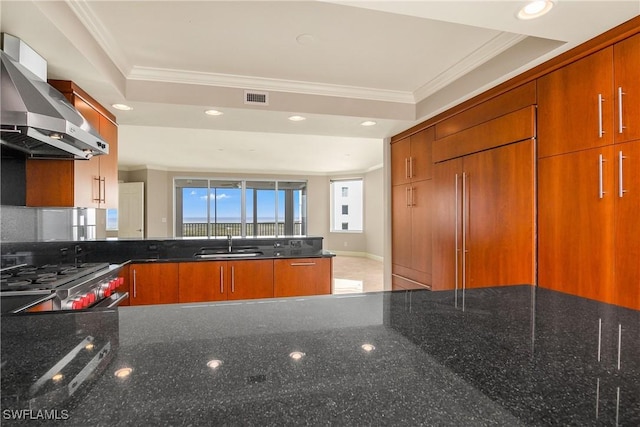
column 233, row 252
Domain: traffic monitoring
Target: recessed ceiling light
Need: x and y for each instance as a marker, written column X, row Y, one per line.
column 122, row 107
column 213, row 113
column 305, row 39
column 297, row 118
column 535, row 9
column 368, row 123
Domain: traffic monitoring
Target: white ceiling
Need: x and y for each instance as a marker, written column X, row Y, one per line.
column 337, row 63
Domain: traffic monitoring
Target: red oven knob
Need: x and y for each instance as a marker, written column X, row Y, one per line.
column 113, row 284
column 92, row 298
column 120, row 281
column 76, row 304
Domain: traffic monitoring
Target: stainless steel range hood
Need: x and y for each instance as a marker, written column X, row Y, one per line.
column 37, row 119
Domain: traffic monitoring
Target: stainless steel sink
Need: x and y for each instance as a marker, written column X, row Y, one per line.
column 237, row 252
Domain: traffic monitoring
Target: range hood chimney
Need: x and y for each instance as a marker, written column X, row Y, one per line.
column 36, row 118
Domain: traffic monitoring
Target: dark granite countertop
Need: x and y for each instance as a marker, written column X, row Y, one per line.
column 499, row 356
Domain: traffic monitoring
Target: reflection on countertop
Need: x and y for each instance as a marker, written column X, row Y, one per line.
column 511, row 356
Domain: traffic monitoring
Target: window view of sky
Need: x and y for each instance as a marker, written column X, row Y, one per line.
column 226, row 205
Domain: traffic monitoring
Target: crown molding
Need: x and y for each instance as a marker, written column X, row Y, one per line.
column 489, row 50
column 258, row 83
column 100, row 33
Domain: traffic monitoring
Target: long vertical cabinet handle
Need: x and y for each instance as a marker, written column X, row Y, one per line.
column 222, row 279
column 457, row 249
column 413, row 196
column 600, row 129
column 621, row 189
column 410, row 167
column 464, row 237
column 406, row 167
column 135, row 288
column 620, row 124
column 233, row 280
column 406, row 195
column 600, row 179
column 104, row 190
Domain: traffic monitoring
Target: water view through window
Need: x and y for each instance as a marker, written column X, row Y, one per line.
column 214, row 208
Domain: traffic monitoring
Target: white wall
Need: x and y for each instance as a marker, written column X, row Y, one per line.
column 159, row 211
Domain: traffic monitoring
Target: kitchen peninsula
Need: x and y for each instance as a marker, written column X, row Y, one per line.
column 497, row 356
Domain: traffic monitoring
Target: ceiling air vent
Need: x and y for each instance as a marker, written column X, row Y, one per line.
column 256, row 98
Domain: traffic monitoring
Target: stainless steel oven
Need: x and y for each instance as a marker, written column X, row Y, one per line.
column 60, row 287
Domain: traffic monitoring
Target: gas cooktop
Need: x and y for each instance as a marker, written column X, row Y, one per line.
column 44, row 278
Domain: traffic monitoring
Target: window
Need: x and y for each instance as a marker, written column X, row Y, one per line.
column 211, row 208
column 347, row 205
column 112, row 219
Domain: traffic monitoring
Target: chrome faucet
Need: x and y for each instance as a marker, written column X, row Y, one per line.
column 229, row 239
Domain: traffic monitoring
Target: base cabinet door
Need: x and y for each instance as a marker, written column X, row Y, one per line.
column 153, row 283
column 202, row 281
column 302, row 276
column 575, row 223
column 249, row 279
column 627, row 225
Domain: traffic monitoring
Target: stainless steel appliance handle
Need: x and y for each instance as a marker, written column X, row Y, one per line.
column 599, row 337
column 620, row 94
column 619, row 343
column 600, row 129
column 621, row 189
column 113, row 301
column 464, row 237
column 457, row 249
column 600, row 179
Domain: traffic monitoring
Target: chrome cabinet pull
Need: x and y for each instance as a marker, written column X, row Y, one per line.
column 600, row 129
column 302, row 264
column 410, row 167
column 233, row 279
column 620, row 125
column 413, row 199
column 406, row 194
column 600, row 180
column 135, row 293
column 406, row 167
column 599, row 337
column 621, row 189
column 222, row 279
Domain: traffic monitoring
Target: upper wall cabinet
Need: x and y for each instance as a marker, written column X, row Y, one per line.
column 78, row 183
column 592, row 102
column 411, row 158
column 575, row 106
column 626, row 70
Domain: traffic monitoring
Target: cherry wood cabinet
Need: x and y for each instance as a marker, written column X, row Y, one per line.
column 225, row 280
column 302, row 276
column 575, row 106
column 626, row 66
column 412, row 186
column 627, row 225
column 483, row 222
column 411, row 158
column 588, row 224
column 153, row 283
column 81, row 183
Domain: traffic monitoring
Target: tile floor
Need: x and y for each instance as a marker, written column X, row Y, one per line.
column 353, row 274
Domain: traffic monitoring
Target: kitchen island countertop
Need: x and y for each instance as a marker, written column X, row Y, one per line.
column 503, row 356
